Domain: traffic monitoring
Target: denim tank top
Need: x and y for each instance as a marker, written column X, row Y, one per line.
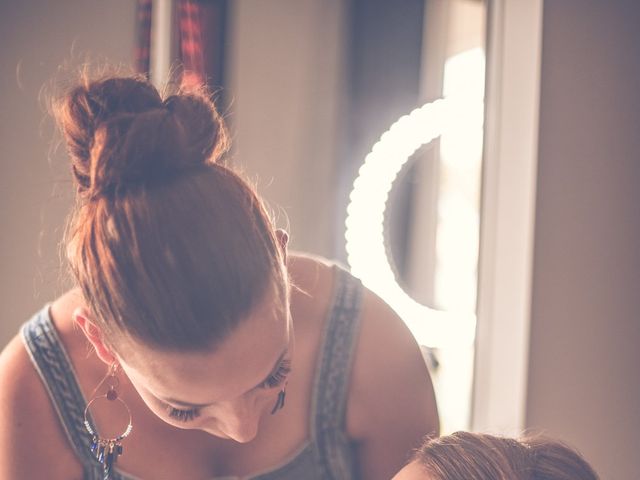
column 327, row 454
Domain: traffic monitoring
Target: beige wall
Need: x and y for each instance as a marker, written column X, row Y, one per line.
column 37, row 37
column 585, row 334
column 286, row 72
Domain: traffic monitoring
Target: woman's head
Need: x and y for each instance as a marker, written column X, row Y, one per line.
column 174, row 252
column 225, row 391
column 472, row 456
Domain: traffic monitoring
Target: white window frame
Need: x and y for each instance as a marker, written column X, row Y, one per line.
column 162, row 21
column 508, row 215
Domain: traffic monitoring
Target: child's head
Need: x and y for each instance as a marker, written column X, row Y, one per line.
column 472, row 456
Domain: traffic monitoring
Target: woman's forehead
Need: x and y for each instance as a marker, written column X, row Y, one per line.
column 242, row 360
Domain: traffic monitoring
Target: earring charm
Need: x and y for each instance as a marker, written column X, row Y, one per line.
column 280, row 401
column 107, row 450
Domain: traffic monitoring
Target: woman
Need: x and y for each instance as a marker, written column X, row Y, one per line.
column 472, row 456
column 194, row 345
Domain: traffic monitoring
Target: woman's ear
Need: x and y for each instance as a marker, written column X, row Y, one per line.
column 83, row 318
column 283, row 241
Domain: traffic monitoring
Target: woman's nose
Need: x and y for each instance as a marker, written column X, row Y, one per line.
column 241, row 420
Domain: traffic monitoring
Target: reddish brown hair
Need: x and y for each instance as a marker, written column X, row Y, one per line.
column 169, row 245
column 472, row 456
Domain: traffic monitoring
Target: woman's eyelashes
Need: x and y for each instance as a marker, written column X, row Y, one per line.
column 183, row 415
column 279, row 376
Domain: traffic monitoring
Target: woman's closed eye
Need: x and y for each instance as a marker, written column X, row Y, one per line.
column 183, row 415
column 279, row 376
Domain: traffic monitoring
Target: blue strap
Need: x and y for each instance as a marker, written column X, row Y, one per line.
column 56, row 371
column 332, row 381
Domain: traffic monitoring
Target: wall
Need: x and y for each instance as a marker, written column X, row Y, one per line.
column 35, row 189
column 285, row 65
column 585, row 331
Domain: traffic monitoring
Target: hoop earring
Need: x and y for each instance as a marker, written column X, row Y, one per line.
column 280, row 401
column 107, row 450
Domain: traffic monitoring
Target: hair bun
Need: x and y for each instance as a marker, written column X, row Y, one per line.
column 202, row 129
column 119, row 133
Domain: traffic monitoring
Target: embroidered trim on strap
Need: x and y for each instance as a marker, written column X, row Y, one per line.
column 332, row 381
column 56, row 371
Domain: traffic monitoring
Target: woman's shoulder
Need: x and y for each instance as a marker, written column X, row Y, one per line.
column 388, row 360
column 391, row 384
column 17, row 375
column 389, row 380
column 20, row 385
column 32, row 444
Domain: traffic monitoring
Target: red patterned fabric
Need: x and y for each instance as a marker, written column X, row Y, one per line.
column 191, row 48
column 143, row 47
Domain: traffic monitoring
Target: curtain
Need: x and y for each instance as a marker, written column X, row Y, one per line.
column 198, row 41
column 143, row 35
column 191, row 46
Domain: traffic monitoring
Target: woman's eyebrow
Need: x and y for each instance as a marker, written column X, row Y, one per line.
column 203, row 405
